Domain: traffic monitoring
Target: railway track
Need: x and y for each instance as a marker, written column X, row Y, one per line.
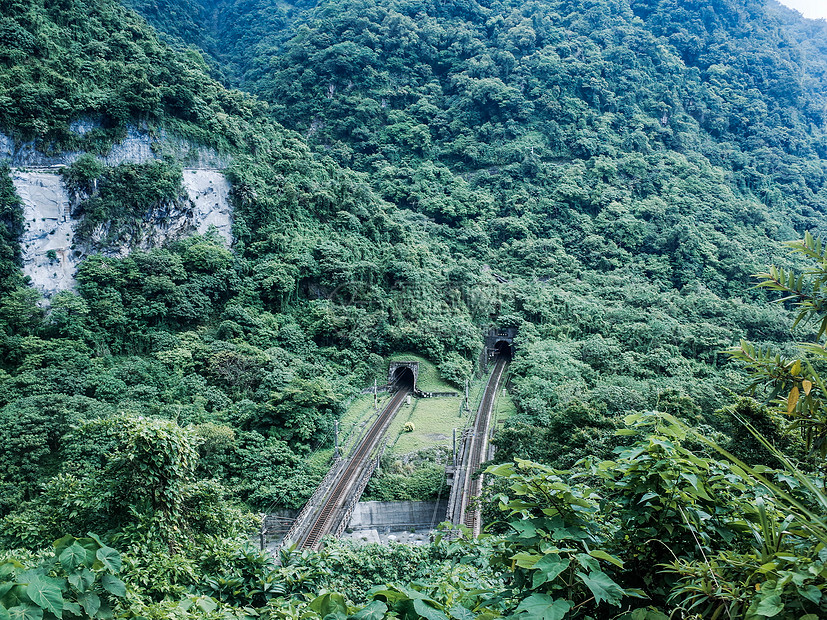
column 474, row 453
column 328, row 516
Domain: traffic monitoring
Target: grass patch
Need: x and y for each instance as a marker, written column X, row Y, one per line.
column 504, row 408
column 434, row 420
column 319, row 461
column 359, row 415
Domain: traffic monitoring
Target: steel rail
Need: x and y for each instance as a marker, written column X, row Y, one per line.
column 325, row 522
column 474, row 453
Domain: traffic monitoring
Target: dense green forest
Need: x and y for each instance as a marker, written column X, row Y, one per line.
column 605, row 175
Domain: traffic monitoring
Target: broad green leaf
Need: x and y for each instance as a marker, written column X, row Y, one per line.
column 45, row 593
column 691, row 478
column 91, row 545
column 411, row 593
column 770, row 606
column 548, row 569
column 90, row 602
column 113, row 585
column 62, row 543
column 330, row 603
column 568, row 533
column 7, row 569
column 811, row 593
column 73, row 556
column 14, row 597
column 461, row 613
column 427, row 610
column 82, row 580
column 96, row 538
column 26, row 612
column 4, row 615
column 648, row 613
column 105, row 612
column 587, row 562
column 525, row 529
column 71, row 608
column 525, row 560
column 602, row 586
column 206, row 604
column 375, row 610
column 504, row 470
column 543, row 607
column 391, row 596
column 110, row 559
column 602, row 555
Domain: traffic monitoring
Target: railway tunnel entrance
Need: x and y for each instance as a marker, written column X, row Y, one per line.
column 403, row 378
column 403, row 375
column 499, row 343
column 503, row 350
column 329, row 509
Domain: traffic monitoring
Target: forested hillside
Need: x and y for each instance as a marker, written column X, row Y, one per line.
column 623, row 168
column 605, row 175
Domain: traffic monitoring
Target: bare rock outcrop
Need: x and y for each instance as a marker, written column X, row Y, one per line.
column 51, row 253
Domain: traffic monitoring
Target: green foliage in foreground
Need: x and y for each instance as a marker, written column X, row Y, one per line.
column 658, row 530
column 78, row 580
column 672, row 526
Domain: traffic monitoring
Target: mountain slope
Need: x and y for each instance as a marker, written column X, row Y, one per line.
column 193, row 331
column 604, row 174
column 623, row 166
column 70, row 61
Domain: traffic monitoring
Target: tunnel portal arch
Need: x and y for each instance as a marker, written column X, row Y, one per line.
column 404, row 372
column 403, row 376
column 500, row 342
column 503, row 350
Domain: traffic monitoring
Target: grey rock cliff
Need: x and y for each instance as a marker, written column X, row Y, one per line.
column 50, row 253
column 138, row 146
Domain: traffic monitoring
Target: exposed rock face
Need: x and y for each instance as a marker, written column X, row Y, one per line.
column 50, row 255
column 209, row 194
column 139, row 146
column 48, row 258
column 50, row 252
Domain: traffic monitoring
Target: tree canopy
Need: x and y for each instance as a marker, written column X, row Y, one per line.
column 605, row 176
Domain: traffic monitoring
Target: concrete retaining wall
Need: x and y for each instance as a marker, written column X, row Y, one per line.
column 398, row 515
